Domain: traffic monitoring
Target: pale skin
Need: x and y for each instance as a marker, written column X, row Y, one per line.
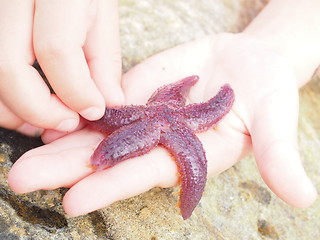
column 76, row 44
column 265, row 65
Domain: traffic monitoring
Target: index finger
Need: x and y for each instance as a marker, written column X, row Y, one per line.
column 60, row 29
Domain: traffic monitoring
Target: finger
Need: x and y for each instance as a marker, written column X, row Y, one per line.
column 22, row 89
column 27, row 96
column 274, row 143
column 103, row 53
column 126, row 179
column 59, row 164
column 60, row 29
column 9, row 120
column 225, row 145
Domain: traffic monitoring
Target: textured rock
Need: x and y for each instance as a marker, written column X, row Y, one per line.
column 236, row 204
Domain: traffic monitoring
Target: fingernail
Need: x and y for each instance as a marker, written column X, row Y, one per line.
column 67, row 125
column 92, row 113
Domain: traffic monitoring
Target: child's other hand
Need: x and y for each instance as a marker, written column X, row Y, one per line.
column 76, row 44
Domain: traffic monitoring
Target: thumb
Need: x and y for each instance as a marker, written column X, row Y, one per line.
column 274, row 138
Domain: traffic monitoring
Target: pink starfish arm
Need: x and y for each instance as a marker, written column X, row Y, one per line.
column 200, row 117
column 129, row 141
column 190, row 158
column 115, row 118
column 173, row 94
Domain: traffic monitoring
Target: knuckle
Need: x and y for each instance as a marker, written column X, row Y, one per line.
column 116, row 60
column 36, row 118
column 37, row 115
column 117, row 57
column 7, row 67
column 51, row 48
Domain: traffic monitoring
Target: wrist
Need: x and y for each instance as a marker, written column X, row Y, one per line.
column 292, row 29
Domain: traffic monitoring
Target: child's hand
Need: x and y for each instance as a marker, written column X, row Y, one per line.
column 76, row 44
column 263, row 119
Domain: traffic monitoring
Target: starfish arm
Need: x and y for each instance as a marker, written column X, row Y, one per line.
column 173, row 94
column 190, row 158
column 129, row 141
column 115, row 118
column 200, row 117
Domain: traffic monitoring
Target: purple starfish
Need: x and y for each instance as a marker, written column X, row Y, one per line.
column 135, row 130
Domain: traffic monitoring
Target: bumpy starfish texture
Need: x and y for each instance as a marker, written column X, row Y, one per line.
column 165, row 120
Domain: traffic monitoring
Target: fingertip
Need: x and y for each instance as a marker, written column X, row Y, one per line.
column 309, row 194
column 80, row 199
column 108, row 82
column 115, row 97
column 29, row 173
column 16, row 179
column 302, row 195
column 68, row 206
column 283, row 172
column 67, row 125
column 92, row 113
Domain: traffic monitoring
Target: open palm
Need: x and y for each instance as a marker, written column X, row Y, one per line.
column 263, row 119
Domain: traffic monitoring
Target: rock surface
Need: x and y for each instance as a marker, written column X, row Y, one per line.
column 236, row 204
